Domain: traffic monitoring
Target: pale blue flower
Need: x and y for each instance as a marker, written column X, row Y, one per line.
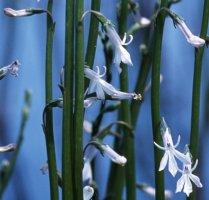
column 114, row 156
column 12, row 68
column 88, row 192
column 101, row 87
column 121, row 54
column 170, row 151
column 194, row 40
column 184, row 182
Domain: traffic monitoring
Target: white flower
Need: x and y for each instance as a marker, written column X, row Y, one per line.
column 194, row 40
column 121, row 54
column 88, row 192
column 7, row 148
column 17, row 13
column 170, row 151
column 115, row 157
column 87, row 173
column 184, row 183
column 144, row 22
column 11, row 68
column 101, row 87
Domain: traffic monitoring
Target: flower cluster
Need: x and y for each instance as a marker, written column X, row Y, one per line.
column 170, row 155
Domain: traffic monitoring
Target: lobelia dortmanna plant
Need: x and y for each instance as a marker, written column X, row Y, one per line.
column 86, row 86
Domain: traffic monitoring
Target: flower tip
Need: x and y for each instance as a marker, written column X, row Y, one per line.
column 88, row 192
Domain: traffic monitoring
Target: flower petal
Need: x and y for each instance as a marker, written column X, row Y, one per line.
column 88, row 192
column 125, row 56
column 196, row 180
column 182, row 157
column 164, row 161
column 172, row 165
column 180, row 183
column 188, row 185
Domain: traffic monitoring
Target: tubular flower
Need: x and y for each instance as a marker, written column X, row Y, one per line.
column 115, row 157
column 121, row 54
column 184, row 183
column 170, row 151
column 7, row 148
column 11, row 68
column 101, row 87
column 194, row 40
column 88, row 192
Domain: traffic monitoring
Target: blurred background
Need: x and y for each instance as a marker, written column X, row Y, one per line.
column 25, row 39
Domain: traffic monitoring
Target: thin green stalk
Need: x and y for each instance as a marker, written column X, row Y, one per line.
column 155, row 100
column 79, row 91
column 126, row 115
column 196, row 90
column 93, row 34
column 49, row 133
column 10, row 169
column 140, row 85
column 67, row 137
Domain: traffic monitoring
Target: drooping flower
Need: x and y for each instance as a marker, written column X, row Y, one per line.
column 7, row 148
column 88, row 192
column 121, row 54
column 11, row 68
column 101, row 87
column 87, row 173
column 17, row 13
column 115, row 157
column 170, row 151
column 184, row 182
column 194, row 40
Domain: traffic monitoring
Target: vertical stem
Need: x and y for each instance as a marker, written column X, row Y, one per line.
column 49, row 133
column 155, row 100
column 5, row 180
column 67, row 138
column 125, row 115
column 79, row 91
column 196, row 89
column 93, row 33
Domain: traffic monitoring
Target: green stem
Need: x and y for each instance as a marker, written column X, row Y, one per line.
column 49, row 133
column 67, row 137
column 10, row 169
column 196, row 89
column 79, row 91
column 93, row 34
column 140, row 85
column 126, row 115
column 155, row 100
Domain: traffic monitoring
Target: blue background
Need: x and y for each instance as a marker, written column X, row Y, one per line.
column 24, row 39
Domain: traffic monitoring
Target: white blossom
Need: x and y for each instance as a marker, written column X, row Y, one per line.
column 184, row 182
column 88, row 192
column 170, row 151
column 121, row 54
column 12, row 68
column 101, row 87
column 194, row 40
column 7, row 148
column 17, row 13
column 87, row 173
column 115, row 157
